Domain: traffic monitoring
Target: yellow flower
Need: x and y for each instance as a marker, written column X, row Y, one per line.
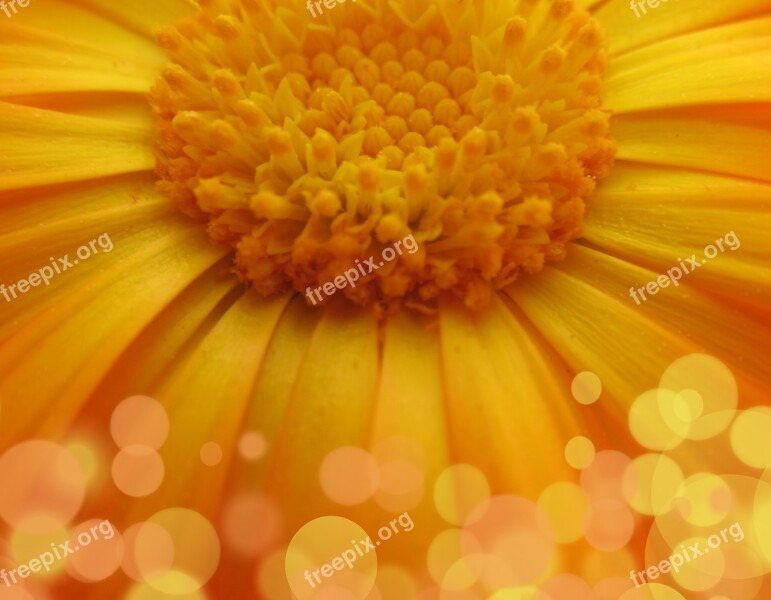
column 379, row 128
column 554, row 162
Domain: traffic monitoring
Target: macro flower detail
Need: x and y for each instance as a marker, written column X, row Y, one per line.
column 475, row 127
column 596, row 429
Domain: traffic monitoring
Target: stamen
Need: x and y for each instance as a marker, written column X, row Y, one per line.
column 309, row 144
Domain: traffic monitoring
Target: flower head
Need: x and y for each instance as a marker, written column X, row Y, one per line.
column 307, row 145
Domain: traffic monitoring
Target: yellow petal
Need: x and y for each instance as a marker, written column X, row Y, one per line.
column 142, row 16
column 331, row 403
column 410, row 401
column 278, row 373
column 60, row 47
column 145, row 362
column 625, row 31
column 498, row 383
column 694, row 45
column 584, row 309
column 42, row 147
column 694, row 144
column 738, row 71
column 50, row 366
column 208, row 393
column 73, row 215
column 657, row 217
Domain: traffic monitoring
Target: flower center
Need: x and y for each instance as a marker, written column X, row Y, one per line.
column 311, row 144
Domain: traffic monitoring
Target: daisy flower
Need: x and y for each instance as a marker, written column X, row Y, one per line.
column 363, row 299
